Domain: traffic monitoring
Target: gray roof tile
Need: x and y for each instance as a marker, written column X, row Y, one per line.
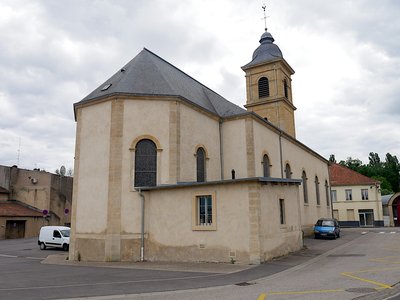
column 149, row 74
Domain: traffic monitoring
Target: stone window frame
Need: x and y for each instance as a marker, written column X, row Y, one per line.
column 305, row 186
column 264, row 169
column 263, row 87
column 132, row 149
column 206, row 159
column 196, row 226
column 317, row 191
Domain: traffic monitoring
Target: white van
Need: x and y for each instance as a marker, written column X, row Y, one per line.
column 54, row 236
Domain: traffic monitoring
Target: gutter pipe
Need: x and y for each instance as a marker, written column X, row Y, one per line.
column 142, row 227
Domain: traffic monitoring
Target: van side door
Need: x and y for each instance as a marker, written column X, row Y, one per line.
column 56, row 239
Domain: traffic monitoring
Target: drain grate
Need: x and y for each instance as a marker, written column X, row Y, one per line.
column 361, row 290
column 244, row 283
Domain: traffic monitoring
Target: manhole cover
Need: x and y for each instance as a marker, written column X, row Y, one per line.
column 244, row 283
column 361, row 290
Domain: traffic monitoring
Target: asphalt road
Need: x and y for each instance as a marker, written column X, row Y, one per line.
column 355, row 265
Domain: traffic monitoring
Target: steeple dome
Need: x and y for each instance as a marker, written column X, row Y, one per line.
column 267, row 51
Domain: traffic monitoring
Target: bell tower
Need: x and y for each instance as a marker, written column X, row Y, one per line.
column 268, row 85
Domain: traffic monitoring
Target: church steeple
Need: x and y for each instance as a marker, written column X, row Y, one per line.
column 268, row 84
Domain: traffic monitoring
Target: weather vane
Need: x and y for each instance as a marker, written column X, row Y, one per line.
column 265, row 17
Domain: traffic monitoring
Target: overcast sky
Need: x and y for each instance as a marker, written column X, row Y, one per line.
column 346, row 55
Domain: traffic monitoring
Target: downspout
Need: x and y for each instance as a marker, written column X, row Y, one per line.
column 280, row 151
column 142, row 227
column 221, row 152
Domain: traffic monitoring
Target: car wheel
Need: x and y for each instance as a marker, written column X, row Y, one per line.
column 42, row 246
column 315, row 237
column 65, row 247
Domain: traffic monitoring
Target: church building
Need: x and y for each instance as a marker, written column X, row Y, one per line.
column 168, row 170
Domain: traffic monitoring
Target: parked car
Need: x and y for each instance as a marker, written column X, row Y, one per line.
column 54, row 236
column 327, row 227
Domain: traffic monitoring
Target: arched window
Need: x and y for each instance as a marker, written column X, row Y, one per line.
column 263, row 87
column 305, row 189
column 201, row 164
column 145, row 163
column 327, row 193
column 266, row 169
column 288, row 172
column 317, row 190
column 285, row 88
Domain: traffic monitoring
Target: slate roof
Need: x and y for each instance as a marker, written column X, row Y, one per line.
column 149, row 74
column 17, row 209
column 341, row 175
column 267, row 51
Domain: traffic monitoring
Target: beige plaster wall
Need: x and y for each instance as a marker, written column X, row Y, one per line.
column 304, row 160
column 169, row 225
column 342, row 205
column 36, row 195
column 92, row 188
column 198, row 129
column 153, row 123
column 280, row 239
column 234, row 147
column 266, row 142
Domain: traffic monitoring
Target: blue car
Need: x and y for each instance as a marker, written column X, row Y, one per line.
column 327, row 227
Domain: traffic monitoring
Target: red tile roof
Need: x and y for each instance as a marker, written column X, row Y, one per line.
column 17, row 209
column 341, row 175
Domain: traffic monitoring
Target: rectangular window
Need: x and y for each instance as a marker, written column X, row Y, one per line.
column 349, row 195
column 204, row 212
column 333, row 196
column 336, row 214
column 204, row 217
column 282, row 210
column 364, row 194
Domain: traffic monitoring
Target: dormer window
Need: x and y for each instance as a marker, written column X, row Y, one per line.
column 263, row 87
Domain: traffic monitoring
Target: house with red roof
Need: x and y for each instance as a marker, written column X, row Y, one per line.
column 356, row 199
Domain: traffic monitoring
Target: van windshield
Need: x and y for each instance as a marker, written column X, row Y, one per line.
column 65, row 233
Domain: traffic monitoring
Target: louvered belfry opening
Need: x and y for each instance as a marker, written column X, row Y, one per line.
column 145, row 163
column 263, row 87
column 201, row 165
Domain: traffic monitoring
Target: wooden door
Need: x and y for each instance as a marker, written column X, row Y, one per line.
column 15, row 229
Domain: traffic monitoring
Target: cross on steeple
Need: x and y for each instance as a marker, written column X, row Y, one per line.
column 265, row 17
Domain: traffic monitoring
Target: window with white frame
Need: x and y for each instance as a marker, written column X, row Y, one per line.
column 349, row 194
column 333, row 195
column 204, row 212
column 364, row 194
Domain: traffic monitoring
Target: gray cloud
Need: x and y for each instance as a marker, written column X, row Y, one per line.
column 345, row 53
